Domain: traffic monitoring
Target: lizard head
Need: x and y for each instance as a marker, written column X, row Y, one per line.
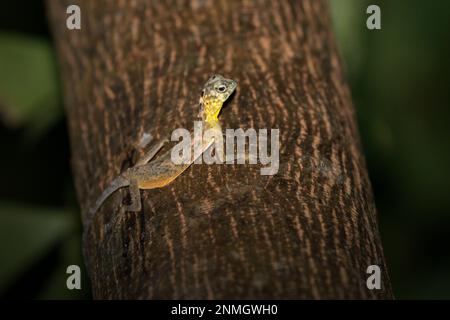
column 215, row 92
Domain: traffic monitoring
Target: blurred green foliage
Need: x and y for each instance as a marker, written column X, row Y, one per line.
column 40, row 231
column 29, row 93
column 31, row 231
column 398, row 76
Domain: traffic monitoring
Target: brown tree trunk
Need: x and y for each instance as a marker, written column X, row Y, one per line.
column 219, row 231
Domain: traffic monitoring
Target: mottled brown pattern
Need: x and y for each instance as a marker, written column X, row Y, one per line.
column 221, row 231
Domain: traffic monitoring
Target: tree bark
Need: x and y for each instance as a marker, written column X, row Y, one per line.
column 219, row 231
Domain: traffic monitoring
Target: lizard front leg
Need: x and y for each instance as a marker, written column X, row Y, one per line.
column 151, row 153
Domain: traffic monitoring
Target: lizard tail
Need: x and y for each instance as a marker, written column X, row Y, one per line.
column 116, row 184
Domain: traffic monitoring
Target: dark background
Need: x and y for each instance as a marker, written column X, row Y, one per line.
column 399, row 77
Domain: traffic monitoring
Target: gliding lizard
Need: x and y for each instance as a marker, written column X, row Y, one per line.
column 162, row 171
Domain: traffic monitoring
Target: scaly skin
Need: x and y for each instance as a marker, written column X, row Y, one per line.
column 162, row 171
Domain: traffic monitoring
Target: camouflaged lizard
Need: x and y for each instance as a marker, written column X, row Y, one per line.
column 162, row 171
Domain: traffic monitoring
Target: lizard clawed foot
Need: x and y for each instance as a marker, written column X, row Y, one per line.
column 134, row 207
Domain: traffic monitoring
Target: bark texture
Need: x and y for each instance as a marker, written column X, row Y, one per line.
column 219, row 231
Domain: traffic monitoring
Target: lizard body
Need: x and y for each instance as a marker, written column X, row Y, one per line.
column 161, row 171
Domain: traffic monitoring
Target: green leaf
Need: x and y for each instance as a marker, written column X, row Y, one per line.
column 29, row 91
column 27, row 233
column 55, row 287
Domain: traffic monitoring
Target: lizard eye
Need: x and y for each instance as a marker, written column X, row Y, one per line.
column 222, row 88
